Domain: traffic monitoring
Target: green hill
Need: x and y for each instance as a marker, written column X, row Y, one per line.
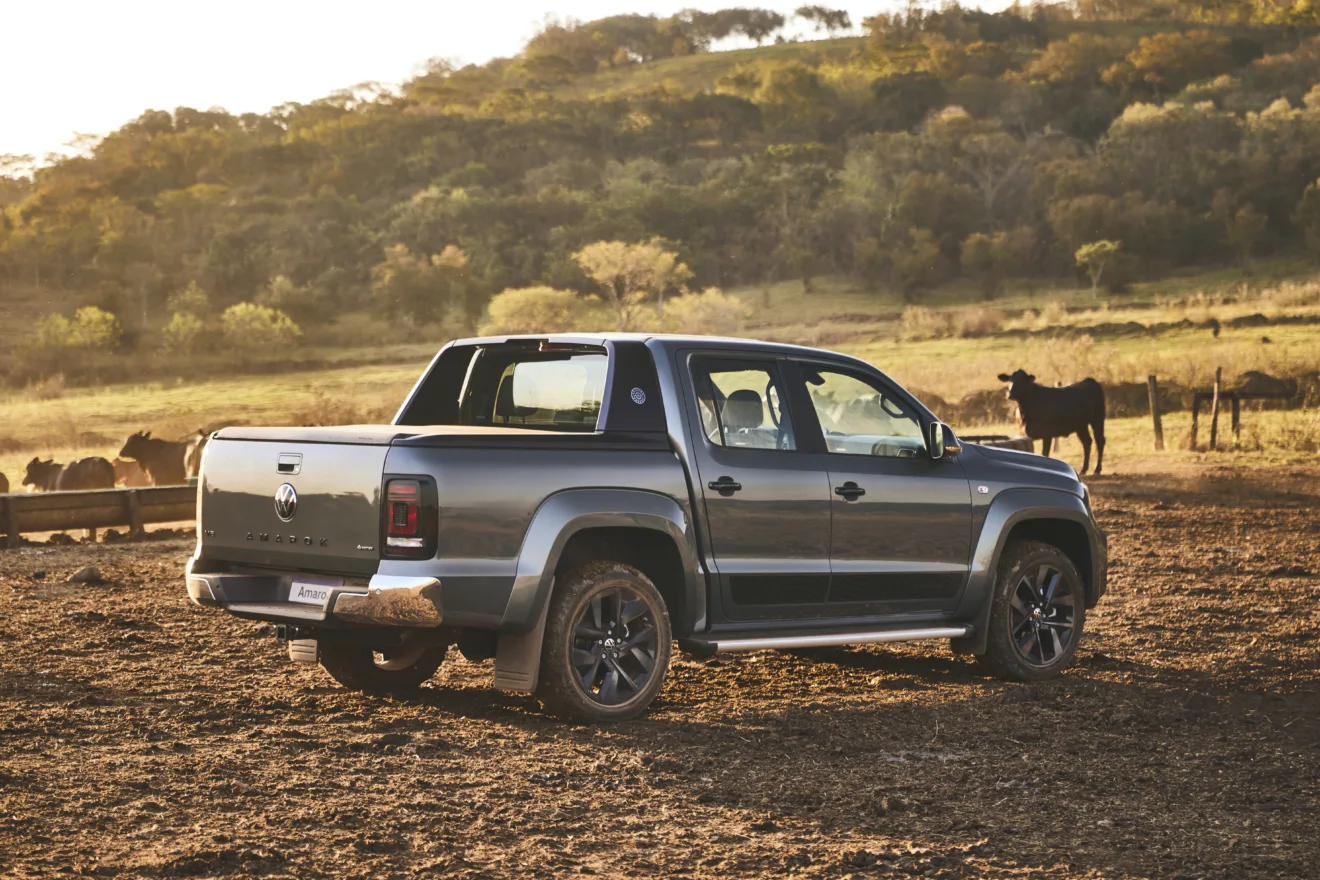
column 945, row 150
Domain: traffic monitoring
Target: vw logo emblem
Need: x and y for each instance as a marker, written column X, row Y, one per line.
column 638, row 396
column 286, row 502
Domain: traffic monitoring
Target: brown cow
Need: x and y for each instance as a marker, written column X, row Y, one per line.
column 4, row 484
column 85, row 474
column 164, row 462
column 196, row 446
column 129, row 473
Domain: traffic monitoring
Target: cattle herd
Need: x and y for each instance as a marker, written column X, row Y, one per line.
column 1044, row 413
column 143, row 461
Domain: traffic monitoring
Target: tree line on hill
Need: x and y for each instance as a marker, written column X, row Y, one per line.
column 1107, row 140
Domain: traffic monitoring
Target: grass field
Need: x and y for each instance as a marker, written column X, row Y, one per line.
column 352, row 384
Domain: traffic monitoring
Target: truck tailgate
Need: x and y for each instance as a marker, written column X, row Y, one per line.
column 293, row 504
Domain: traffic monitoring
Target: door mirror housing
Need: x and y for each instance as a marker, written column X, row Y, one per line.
column 941, row 442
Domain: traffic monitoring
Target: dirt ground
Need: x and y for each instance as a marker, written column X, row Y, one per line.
column 141, row 736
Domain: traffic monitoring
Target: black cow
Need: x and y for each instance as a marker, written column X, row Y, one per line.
column 41, row 476
column 1047, row 413
column 85, row 474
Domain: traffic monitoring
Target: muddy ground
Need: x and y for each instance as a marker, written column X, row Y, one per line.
column 143, row 736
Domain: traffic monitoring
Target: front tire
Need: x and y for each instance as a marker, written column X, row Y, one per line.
column 375, row 671
column 606, row 646
column 1038, row 613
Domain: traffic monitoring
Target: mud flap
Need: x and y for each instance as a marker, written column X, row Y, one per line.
column 976, row 641
column 518, row 657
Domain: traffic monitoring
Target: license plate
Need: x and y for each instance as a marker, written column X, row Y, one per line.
column 313, row 591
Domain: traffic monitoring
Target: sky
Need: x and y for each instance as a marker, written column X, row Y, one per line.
column 85, row 67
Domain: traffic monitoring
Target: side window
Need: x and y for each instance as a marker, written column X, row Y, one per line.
column 742, row 404
column 859, row 419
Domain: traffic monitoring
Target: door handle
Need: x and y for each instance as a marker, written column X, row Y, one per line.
column 725, row 486
column 850, row 491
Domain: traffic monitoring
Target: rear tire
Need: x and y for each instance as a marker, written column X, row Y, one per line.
column 393, row 671
column 1038, row 613
column 606, row 646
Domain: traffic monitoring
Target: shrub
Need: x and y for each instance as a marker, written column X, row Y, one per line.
column 248, row 325
column 538, row 310
column 192, row 300
column 977, row 321
column 181, row 334
column 301, row 303
column 711, row 313
column 90, row 328
column 919, row 322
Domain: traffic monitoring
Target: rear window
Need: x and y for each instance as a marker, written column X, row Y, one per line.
column 531, row 384
column 559, row 395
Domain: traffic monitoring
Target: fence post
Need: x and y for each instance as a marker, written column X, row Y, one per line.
column 134, row 512
column 1237, row 417
column 1153, row 388
column 12, row 537
column 1214, row 409
column 1196, row 416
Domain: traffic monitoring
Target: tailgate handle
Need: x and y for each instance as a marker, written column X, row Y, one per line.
column 289, row 463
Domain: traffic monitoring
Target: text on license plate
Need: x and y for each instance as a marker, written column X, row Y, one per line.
column 312, row 591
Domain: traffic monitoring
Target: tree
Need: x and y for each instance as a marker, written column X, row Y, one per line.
column 979, row 262
column 709, row 313
column 300, row 302
column 1306, row 216
column 831, row 21
column 421, row 289
column 90, row 328
column 539, row 310
column 631, row 274
column 918, row 263
column 252, row 327
column 191, row 300
column 182, row 333
column 1095, row 256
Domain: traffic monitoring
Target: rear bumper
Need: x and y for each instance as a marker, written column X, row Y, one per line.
column 384, row 600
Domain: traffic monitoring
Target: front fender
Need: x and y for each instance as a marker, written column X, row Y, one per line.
column 565, row 514
column 1010, row 507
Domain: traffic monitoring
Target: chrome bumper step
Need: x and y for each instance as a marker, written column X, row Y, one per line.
column 718, row 645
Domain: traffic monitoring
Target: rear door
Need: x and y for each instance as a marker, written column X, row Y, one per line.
column 766, row 502
column 902, row 523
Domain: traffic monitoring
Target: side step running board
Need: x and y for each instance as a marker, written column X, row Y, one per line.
column 820, row 640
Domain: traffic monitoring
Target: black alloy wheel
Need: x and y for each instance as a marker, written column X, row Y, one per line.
column 614, row 646
column 1037, row 613
column 606, row 646
column 1043, row 611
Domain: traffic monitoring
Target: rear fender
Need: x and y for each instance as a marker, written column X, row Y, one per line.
column 558, row 519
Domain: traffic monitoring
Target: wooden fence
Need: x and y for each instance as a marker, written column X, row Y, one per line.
column 61, row 511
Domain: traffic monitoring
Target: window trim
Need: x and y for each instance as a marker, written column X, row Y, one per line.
column 880, row 383
column 784, row 371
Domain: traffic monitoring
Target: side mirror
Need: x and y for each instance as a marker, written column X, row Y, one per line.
column 941, row 442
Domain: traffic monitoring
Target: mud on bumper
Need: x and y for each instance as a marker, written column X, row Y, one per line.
column 384, row 600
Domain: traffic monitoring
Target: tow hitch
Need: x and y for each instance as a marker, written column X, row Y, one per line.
column 302, row 648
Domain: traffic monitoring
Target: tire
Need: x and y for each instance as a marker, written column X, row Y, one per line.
column 400, row 671
column 606, row 646
column 1038, row 614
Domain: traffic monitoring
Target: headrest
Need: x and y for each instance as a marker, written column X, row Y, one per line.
column 743, row 410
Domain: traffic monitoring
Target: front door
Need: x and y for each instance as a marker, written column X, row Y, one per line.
column 902, row 523
column 767, row 502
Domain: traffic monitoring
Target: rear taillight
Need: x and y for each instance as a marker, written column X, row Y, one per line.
column 403, row 522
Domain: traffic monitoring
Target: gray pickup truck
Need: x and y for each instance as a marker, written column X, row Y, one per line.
column 570, row 505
